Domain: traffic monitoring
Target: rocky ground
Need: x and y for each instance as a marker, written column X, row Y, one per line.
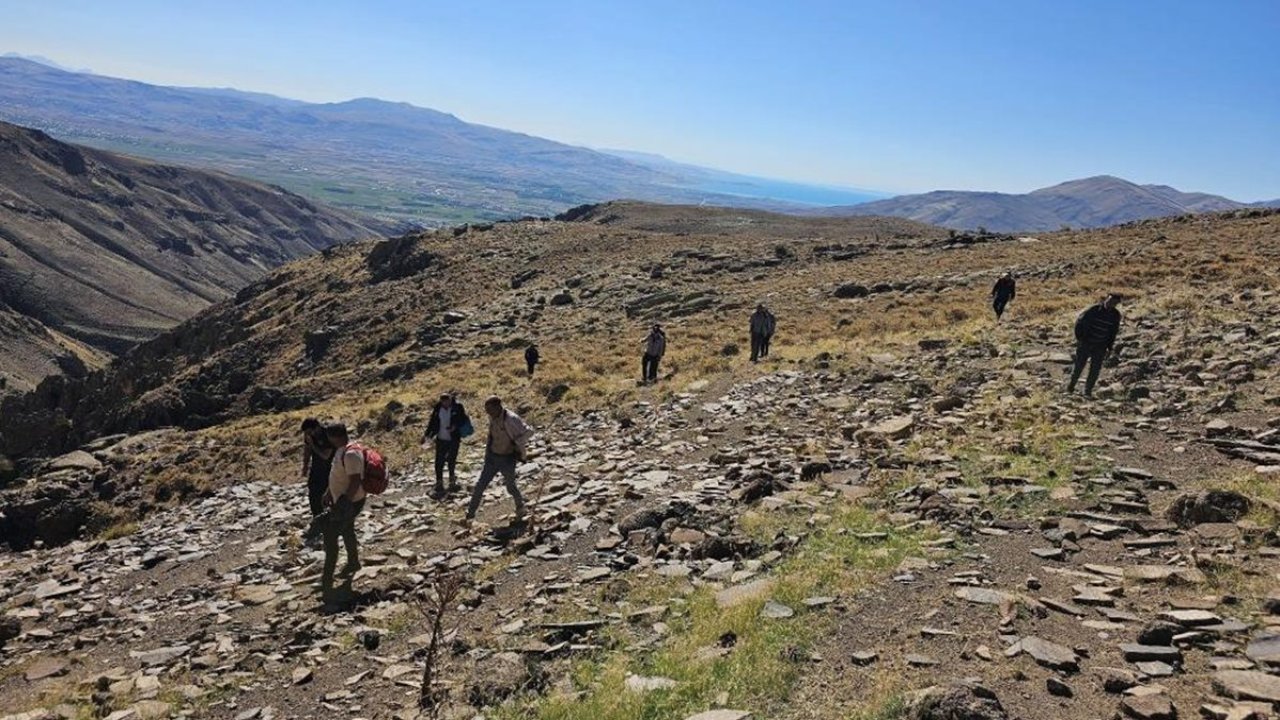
column 921, row 524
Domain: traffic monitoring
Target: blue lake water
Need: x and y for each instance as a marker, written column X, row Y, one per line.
column 788, row 191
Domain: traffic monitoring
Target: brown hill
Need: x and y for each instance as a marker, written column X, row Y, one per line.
column 99, row 251
column 361, row 315
column 1092, row 202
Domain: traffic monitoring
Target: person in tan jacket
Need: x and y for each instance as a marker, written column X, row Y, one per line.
column 506, row 448
column 344, row 499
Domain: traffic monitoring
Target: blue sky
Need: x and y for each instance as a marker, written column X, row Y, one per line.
column 899, row 95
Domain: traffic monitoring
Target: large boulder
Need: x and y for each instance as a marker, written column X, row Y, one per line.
column 1211, row 506
column 500, row 677
column 852, row 290
column 956, row 702
column 49, row 509
column 399, row 258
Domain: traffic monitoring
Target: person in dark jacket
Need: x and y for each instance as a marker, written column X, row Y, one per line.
column 1005, row 290
column 655, row 346
column 531, row 358
column 447, row 424
column 1096, row 330
column 317, row 456
column 762, row 325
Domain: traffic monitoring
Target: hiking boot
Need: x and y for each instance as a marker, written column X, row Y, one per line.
column 438, row 492
column 349, row 569
column 454, row 488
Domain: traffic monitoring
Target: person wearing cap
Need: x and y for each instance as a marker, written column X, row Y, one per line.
column 1096, row 329
column 762, row 326
column 446, row 427
column 1005, row 290
column 506, row 448
column 655, row 346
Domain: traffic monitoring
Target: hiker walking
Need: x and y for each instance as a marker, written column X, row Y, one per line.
column 1096, row 330
column 317, row 457
column 763, row 324
column 345, row 499
column 531, row 358
column 505, row 449
column 1005, row 290
column 448, row 425
column 655, row 346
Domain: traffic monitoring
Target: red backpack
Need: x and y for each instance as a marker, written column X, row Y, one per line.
column 375, row 469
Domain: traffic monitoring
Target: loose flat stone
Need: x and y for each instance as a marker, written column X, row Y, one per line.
column 256, row 594
column 159, row 656
column 1247, row 685
column 50, row 589
column 1049, row 654
column 864, row 657
column 1155, row 669
column 721, row 715
column 46, row 667
column 917, row 660
column 1191, row 618
column 774, row 610
column 593, row 574
column 1149, row 707
column 734, row 596
column 1164, row 573
column 1117, row 615
column 984, row 596
column 395, row 671
column 817, row 602
column 578, row 627
column 1134, row 652
column 1265, row 649
column 1113, row 571
column 641, row 684
column 1063, row 607
column 1094, row 597
column 1049, row 553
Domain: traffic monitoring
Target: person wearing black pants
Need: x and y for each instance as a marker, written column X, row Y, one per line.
column 531, row 358
column 1005, row 290
column 446, row 427
column 655, row 346
column 761, row 326
column 345, row 499
column 1096, row 330
column 317, row 456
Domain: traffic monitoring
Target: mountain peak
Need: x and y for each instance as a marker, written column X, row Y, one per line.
column 1097, row 201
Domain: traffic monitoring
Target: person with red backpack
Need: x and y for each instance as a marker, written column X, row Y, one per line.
column 350, row 480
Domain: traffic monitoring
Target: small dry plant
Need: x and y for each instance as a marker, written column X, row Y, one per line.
column 435, row 604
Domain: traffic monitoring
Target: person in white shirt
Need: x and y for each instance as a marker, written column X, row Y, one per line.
column 507, row 447
column 448, row 418
column 345, row 499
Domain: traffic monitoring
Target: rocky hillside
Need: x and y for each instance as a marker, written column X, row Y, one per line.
column 100, row 251
column 1087, row 203
column 900, row 514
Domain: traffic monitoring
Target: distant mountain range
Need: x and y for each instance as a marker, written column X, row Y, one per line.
column 100, row 251
column 1087, row 203
column 392, row 160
